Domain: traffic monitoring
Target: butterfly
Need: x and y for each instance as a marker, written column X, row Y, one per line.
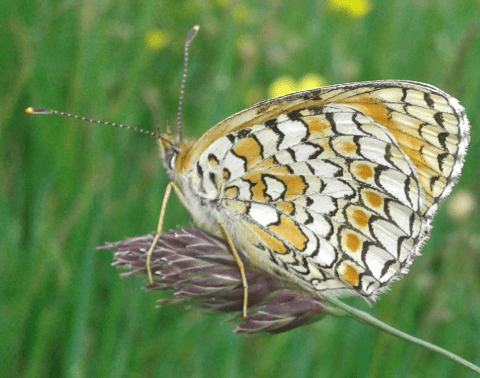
column 332, row 189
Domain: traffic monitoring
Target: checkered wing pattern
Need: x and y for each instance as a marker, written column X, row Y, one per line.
column 334, row 188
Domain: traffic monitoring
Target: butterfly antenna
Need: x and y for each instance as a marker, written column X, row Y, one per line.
column 50, row 111
column 191, row 34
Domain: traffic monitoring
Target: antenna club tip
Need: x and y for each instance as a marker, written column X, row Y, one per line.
column 32, row 110
column 191, row 34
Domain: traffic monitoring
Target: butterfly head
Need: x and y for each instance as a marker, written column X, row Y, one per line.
column 172, row 152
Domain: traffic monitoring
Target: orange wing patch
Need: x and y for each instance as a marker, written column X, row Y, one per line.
column 271, row 241
column 231, row 192
column 350, row 275
column 257, row 186
column 349, row 147
column 364, row 171
column 373, row 199
column 291, row 232
column 286, row 207
column 250, row 150
column 295, row 185
column 316, row 127
column 360, row 218
column 351, row 241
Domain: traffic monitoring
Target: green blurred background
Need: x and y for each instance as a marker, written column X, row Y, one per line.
column 68, row 186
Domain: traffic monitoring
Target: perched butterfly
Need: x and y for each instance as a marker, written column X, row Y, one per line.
column 333, row 189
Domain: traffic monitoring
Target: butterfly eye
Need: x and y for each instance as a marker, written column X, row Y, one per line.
column 172, row 160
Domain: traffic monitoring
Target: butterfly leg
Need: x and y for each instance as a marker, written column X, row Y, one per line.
column 171, row 185
column 239, row 262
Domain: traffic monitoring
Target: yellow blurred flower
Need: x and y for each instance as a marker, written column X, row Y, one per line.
column 311, row 81
column 156, row 39
column 281, row 86
column 352, row 8
column 287, row 84
column 461, row 205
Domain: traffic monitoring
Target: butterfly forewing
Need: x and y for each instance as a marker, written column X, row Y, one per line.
column 334, row 188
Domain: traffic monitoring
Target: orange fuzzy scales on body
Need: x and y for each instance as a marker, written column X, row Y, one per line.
column 183, row 158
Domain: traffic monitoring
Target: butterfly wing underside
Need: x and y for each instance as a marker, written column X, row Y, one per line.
column 333, row 188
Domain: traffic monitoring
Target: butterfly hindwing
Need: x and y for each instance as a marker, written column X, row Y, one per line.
column 335, row 187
